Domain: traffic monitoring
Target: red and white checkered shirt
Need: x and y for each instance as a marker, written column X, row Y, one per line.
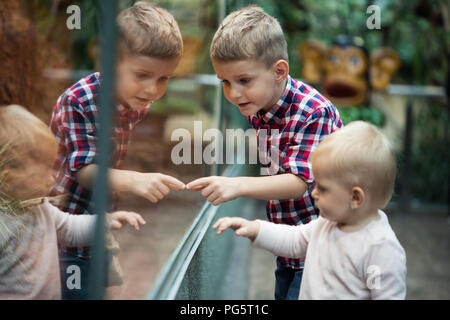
column 294, row 126
column 75, row 123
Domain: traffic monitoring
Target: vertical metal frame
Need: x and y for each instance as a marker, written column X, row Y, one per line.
column 98, row 268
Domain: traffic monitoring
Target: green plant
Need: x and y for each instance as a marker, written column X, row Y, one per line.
column 372, row 115
column 430, row 170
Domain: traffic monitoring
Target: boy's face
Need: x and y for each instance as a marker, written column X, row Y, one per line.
column 34, row 175
column 249, row 84
column 330, row 195
column 142, row 80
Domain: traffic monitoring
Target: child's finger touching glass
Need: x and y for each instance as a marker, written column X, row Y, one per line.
column 198, row 184
column 173, row 183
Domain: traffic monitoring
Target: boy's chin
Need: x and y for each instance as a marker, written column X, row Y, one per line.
column 138, row 107
column 247, row 112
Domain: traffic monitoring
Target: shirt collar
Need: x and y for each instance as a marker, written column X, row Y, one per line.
column 123, row 111
column 277, row 112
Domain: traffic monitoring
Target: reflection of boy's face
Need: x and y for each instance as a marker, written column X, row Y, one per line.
column 33, row 177
column 248, row 84
column 142, row 79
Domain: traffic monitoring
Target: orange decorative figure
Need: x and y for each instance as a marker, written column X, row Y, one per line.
column 345, row 70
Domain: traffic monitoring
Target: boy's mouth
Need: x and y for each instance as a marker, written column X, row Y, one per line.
column 243, row 105
column 142, row 100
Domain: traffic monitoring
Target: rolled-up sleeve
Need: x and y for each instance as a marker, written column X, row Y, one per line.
column 79, row 134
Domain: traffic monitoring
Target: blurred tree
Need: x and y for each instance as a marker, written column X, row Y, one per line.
column 26, row 50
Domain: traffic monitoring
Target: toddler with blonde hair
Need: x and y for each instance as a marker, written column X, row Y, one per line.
column 351, row 250
column 30, row 226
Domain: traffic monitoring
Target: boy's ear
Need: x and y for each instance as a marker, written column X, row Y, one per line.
column 358, row 197
column 281, row 70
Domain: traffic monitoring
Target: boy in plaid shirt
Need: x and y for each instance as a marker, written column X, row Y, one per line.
column 149, row 49
column 249, row 55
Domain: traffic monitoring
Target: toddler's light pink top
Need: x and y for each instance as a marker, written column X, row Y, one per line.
column 29, row 264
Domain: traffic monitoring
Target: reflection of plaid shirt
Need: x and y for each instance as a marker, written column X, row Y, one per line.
column 300, row 119
column 74, row 123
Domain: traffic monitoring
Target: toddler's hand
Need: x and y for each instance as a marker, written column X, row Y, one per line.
column 118, row 218
column 242, row 227
column 216, row 189
column 155, row 186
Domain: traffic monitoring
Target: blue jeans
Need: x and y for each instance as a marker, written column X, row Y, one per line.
column 287, row 282
column 74, row 273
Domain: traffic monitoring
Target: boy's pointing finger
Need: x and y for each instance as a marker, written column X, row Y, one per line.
column 174, row 183
column 197, row 184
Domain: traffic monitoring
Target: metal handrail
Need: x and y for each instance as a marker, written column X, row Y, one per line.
column 169, row 280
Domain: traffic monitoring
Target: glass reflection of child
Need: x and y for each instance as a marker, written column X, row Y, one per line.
column 29, row 266
column 249, row 55
column 351, row 251
column 149, row 49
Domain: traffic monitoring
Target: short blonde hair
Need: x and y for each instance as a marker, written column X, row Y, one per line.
column 360, row 155
column 21, row 134
column 146, row 29
column 249, row 33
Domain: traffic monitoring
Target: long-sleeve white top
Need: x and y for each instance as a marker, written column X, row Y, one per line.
column 366, row 264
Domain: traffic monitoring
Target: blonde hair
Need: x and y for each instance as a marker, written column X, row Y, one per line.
column 360, row 155
column 21, row 134
column 146, row 29
column 249, row 33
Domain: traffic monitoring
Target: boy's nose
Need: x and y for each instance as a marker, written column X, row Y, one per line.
column 234, row 94
column 150, row 91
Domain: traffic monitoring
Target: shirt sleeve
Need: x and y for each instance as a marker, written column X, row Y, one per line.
column 78, row 130
column 284, row 240
column 305, row 140
column 73, row 230
column 385, row 271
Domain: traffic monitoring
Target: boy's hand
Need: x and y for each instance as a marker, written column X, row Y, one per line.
column 217, row 189
column 118, row 218
column 242, row 227
column 154, row 186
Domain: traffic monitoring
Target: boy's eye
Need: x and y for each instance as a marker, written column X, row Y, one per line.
column 141, row 75
column 225, row 82
column 244, row 80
